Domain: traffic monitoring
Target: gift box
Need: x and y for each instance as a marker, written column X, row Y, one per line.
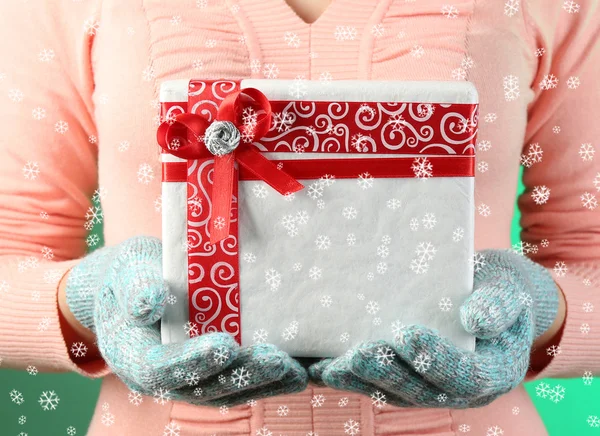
column 316, row 215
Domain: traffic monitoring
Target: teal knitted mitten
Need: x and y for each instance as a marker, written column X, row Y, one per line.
column 514, row 301
column 118, row 292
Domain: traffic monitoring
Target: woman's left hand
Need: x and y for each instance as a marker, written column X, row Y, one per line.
column 514, row 301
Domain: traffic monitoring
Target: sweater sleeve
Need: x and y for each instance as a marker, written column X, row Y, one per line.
column 562, row 230
column 48, row 173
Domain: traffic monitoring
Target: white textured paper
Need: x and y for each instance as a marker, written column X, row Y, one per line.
column 341, row 261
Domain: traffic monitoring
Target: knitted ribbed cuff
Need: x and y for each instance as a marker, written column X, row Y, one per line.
column 544, row 293
column 83, row 282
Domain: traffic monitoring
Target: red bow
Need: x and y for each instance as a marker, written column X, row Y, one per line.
column 231, row 109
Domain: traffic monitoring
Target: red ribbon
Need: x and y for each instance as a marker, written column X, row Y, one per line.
column 231, row 109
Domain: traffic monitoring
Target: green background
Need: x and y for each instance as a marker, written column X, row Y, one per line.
column 78, row 397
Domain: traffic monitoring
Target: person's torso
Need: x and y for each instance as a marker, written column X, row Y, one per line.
column 138, row 45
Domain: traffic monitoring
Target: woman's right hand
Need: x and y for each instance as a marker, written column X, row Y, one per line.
column 119, row 294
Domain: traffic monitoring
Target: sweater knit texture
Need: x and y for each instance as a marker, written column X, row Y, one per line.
column 79, row 108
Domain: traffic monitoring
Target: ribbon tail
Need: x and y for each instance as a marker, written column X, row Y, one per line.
column 222, row 192
column 251, row 159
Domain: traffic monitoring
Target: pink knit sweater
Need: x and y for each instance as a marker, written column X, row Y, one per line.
column 79, row 103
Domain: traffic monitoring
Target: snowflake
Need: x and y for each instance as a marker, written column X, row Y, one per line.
column 540, row 194
column 585, row 328
column 378, row 30
column 282, row 121
column 108, row 419
column 593, row 421
column 557, row 393
column 511, row 7
column 315, row 272
column 351, row 427
column 466, row 63
column 588, row 200
column 372, row 307
column 78, row 349
column 283, row 410
column 384, row 356
column 16, row 95
column 271, row 71
column 219, row 223
column 345, row 33
column 586, row 151
column 221, row 355
column 494, row 431
column 91, row 26
column 540, row 52
column 38, row 113
column 478, row 261
column 349, row 212
column 449, row 11
column 484, row 210
column 365, row 180
column 191, row 329
column 343, row 402
column 260, row 336
column 458, row 234
column 383, row 251
column 490, row 118
column 44, row 324
column 273, row 278
column 482, row 166
column 171, row 429
column 198, row 392
column 425, row 250
column 16, row 397
column 464, row 428
column 588, row 378
column 315, row 190
column 511, row 88
column 94, row 215
column 351, row 239
column 135, row 398
column 32, row 370
column 573, row 82
column 422, row 362
column 419, row 265
column 429, row 220
column 484, row 145
column 317, row 400
column 92, row 240
column 422, row 168
column 571, row 7
column 323, row 242
column 442, row 398
column 326, row 300
column 49, row 400
column 259, row 191
column 145, row 173
column 417, row 51
column 553, row 350
column 549, row 82
column 240, row 377
column 263, row 431
column 445, row 304
column 459, row 74
column 31, row 170
column 397, row 121
column 414, row 224
column 560, row 268
column 289, row 333
column 161, row 396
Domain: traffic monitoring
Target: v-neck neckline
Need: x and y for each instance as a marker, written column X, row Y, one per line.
column 326, row 12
